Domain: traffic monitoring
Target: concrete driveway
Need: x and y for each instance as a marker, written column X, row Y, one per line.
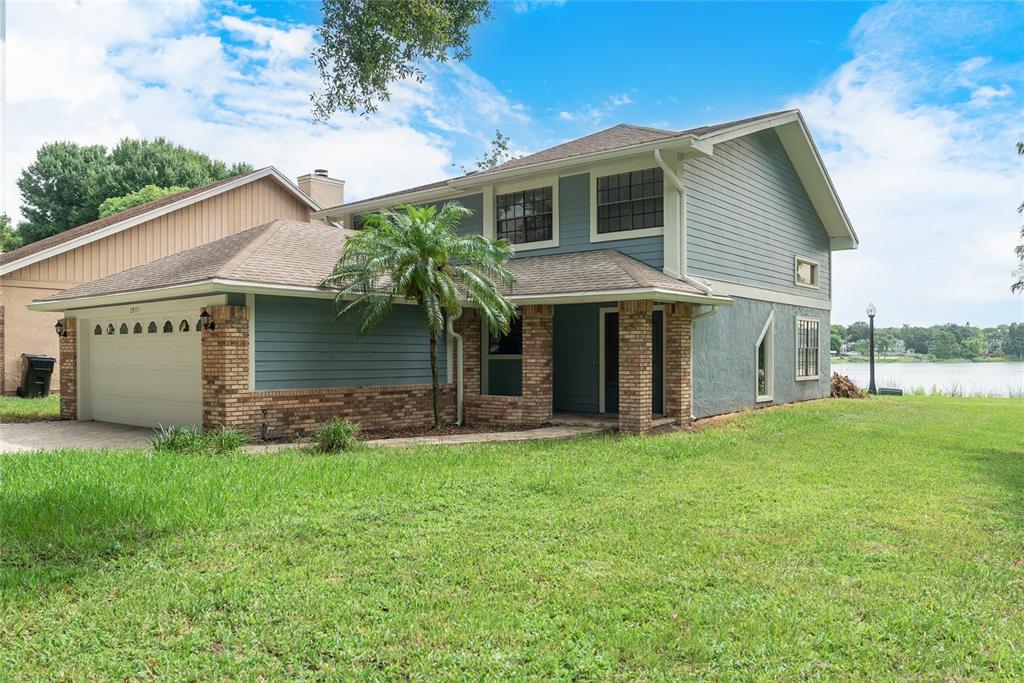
column 49, row 436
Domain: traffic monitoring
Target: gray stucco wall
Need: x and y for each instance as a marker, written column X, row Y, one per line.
column 300, row 345
column 748, row 216
column 724, row 356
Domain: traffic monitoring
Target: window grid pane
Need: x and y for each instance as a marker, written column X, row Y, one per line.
column 525, row 216
column 807, row 348
column 630, row 201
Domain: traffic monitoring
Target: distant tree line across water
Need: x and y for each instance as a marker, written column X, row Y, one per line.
column 941, row 342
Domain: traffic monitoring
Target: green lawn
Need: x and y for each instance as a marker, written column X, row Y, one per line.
column 14, row 409
column 839, row 539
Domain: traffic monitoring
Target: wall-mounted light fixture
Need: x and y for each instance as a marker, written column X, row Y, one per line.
column 59, row 329
column 206, row 322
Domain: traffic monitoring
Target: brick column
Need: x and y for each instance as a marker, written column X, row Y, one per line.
column 635, row 368
column 678, row 392
column 468, row 325
column 3, row 355
column 538, row 362
column 225, row 366
column 69, row 370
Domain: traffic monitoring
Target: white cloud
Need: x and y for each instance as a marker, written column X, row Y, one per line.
column 234, row 85
column 930, row 182
column 983, row 96
column 594, row 114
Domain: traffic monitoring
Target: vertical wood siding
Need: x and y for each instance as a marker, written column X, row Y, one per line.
column 244, row 207
column 748, row 216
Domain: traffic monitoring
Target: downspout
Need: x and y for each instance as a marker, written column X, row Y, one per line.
column 458, row 363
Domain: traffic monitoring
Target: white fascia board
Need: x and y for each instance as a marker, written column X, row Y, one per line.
column 173, row 292
column 655, row 294
column 432, row 194
column 722, row 287
column 115, row 228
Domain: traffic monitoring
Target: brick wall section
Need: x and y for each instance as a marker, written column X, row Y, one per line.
column 482, row 409
column 678, row 388
column 3, row 356
column 468, row 325
column 635, row 369
column 538, row 362
column 291, row 413
column 69, row 371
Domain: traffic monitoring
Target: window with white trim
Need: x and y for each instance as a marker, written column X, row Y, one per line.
column 807, row 336
column 806, row 273
column 525, row 216
column 633, row 200
column 765, row 363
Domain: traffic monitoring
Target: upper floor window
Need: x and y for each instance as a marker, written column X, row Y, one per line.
column 525, row 216
column 806, row 272
column 630, row 201
column 807, row 348
column 357, row 221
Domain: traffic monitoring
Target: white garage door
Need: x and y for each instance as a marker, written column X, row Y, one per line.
column 143, row 371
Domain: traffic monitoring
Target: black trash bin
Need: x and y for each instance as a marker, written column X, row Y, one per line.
column 35, row 375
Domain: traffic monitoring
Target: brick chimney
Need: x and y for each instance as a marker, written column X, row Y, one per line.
column 325, row 191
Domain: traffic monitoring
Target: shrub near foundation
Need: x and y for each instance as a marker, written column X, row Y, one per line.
column 335, row 436
column 193, row 441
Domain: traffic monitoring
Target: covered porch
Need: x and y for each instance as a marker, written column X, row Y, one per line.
column 618, row 350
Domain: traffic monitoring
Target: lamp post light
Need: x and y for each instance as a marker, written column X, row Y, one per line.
column 871, row 345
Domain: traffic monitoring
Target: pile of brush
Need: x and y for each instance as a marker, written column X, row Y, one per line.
column 843, row 387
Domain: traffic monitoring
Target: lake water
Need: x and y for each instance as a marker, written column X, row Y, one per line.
column 999, row 379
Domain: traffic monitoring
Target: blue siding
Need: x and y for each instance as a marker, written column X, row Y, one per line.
column 748, row 216
column 472, row 224
column 574, row 227
column 505, row 377
column 300, row 345
column 576, row 359
column 724, row 356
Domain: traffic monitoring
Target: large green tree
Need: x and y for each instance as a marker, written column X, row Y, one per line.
column 366, row 45
column 10, row 239
column 66, row 183
column 147, row 193
column 416, row 254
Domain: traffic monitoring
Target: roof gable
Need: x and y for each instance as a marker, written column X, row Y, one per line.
column 122, row 220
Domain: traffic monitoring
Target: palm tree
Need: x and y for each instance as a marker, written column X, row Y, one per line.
column 414, row 253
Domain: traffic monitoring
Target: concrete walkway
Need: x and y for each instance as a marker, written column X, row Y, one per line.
column 52, row 435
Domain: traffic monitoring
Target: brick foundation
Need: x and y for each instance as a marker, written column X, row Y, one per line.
column 291, row 413
column 69, row 370
column 678, row 355
column 635, row 367
column 483, row 409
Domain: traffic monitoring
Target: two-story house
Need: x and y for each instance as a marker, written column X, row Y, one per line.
column 662, row 275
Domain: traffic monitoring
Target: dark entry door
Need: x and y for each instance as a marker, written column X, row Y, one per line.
column 611, row 363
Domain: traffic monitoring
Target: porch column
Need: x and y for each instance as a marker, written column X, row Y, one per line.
column 68, row 346
column 225, row 366
column 678, row 390
column 538, row 362
column 635, row 367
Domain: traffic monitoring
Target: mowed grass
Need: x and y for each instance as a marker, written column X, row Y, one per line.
column 870, row 540
column 14, row 409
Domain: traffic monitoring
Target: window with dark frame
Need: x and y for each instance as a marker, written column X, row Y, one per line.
column 509, row 345
column 525, row 216
column 807, row 348
column 631, row 201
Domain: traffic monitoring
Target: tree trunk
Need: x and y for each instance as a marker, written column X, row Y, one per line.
column 435, row 388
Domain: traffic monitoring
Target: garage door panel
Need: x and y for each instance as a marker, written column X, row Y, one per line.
column 145, row 379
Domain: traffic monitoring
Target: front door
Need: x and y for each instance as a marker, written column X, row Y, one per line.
column 610, row 380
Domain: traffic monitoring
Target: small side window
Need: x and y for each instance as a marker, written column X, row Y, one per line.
column 152, row 327
column 806, row 273
column 183, row 326
column 123, row 329
column 168, row 327
column 97, row 330
column 137, row 329
column 110, row 328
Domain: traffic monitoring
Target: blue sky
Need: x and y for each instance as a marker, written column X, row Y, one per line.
column 915, row 107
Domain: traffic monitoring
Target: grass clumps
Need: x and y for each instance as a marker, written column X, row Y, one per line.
column 194, row 441
column 17, row 409
column 335, row 436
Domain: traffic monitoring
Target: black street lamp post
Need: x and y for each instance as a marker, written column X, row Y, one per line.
column 871, row 344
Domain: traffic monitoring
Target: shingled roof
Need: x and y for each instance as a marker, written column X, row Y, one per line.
column 294, row 254
column 621, row 136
